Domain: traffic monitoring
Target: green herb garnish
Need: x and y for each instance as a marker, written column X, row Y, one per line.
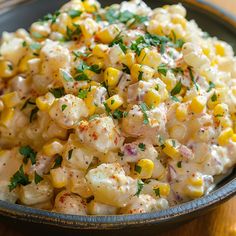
column 58, row 161
column 57, row 92
column 176, row 89
column 140, row 186
column 28, row 153
column 37, row 178
column 144, row 108
column 74, row 13
column 142, row 146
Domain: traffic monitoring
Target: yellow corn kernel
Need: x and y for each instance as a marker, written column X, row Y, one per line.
column 94, row 60
column 53, row 147
column 45, row 102
column 198, row 104
column 211, row 104
column 206, row 51
column 170, row 148
column 88, row 27
column 152, row 98
column 149, row 58
column 196, row 180
column 144, row 168
column 220, row 49
column 225, row 135
column 141, row 72
column 155, row 27
column 169, row 82
column 58, row 177
column 233, row 137
column 128, row 59
column 178, row 19
column 108, row 34
column 6, row 116
column 220, row 110
column 181, row 112
column 225, row 122
column 194, row 192
column 10, row 99
column 89, row 101
column 100, row 50
column 90, row 6
column 6, row 69
column 23, row 66
column 114, row 102
column 112, row 76
column 163, row 189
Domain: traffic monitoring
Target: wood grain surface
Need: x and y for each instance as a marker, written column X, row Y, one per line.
column 219, row 222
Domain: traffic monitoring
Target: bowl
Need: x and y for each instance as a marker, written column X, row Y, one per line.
column 213, row 20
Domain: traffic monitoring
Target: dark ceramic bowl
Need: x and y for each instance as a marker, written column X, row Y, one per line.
column 213, row 20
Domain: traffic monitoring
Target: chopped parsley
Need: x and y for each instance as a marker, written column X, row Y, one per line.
column 118, row 114
column 37, row 35
column 58, row 161
column 10, row 67
column 157, row 87
column 176, row 89
column 148, row 40
column 142, row 146
column 35, row 46
column 93, row 117
column 157, row 192
column 81, row 75
column 179, row 164
column 162, row 69
column 37, row 178
column 79, row 54
column 66, row 76
column 211, row 86
column 63, row 107
column 33, row 114
column 19, row 178
column 126, row 69
column 57, row 92
column 74, row 13
column 175, row 99
column 28, row 102
column 140, row 186
column 70, row 154
column 140, row 75
column 28, row 153
column 83, row 93
column 24, row 44
column 137, row 169
column 192, row 78
column 51, row 17
column 70, row 34
column 144, row 108
column 107, row 108
column 119, row 41
column 214, row 97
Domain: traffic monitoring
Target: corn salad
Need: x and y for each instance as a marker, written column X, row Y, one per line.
column 115, row 110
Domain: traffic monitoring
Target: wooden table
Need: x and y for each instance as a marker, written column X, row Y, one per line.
column 219, row 222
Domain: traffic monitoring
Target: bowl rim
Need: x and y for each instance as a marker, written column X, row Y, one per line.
column 221, row 194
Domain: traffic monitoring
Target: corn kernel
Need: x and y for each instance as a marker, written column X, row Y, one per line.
column 163, row 189
column 181, row 112
column 152, row 98
column 58, row 177
column 128, row 59
column 23, row 66
column 88, row 27
column 146, row 167
column 220, row 49
column 233, row 138
column 194, row 192
column 6, row 116
column 149, row 58
column 225, row 122
column 53, row 147
column 89, row 101
column 196, row 180
column 141, row 72
column 90, row 6
column 155, row 27
column 220, row 110
column 170, row 148
column 100, row 50
column 10, row 99
column 114, row 102
column 6, row 69
column 198, row 104
column 45, row 102
column 178, row 19
column 108, row 34
column 225, row 136
column 112, row 76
